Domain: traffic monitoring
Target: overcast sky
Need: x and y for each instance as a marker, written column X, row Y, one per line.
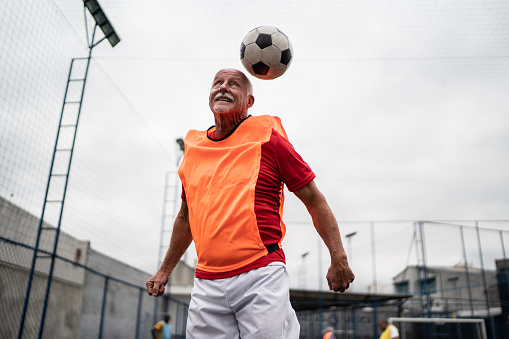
column 399, row 107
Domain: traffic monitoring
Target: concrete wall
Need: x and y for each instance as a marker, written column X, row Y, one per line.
column 64, row 305
column 66, row 294
column 77, row 295
column 20, row 226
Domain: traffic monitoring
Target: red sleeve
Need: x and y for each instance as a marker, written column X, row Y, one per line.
column 294, row 171
column 183, row 194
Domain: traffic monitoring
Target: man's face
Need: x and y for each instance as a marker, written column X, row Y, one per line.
column 229, row 93
column 382, row 325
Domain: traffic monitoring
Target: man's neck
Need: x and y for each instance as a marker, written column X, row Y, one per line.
column 226, row 122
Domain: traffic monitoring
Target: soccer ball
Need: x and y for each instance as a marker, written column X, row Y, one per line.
column 266, row 52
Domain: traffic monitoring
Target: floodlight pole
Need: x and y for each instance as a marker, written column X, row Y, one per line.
column 349, row 241
column 113, row 38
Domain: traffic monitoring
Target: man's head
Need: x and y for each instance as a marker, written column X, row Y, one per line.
column 167, row 318
column 231, row 93
column 383, row 324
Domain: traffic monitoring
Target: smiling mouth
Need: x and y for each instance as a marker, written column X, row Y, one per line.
column 225, row 99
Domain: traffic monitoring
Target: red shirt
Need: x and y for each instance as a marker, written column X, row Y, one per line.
column 279, row 163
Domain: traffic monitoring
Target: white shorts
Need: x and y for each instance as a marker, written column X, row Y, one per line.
column 255, row 304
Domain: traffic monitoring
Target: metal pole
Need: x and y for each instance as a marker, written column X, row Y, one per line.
column 506, row 269
column 163, row 221
column 425, row 268
column 138, row 314
column 155, row 315
column 375, row 287
column 466, row 272
column 354, row 323
column 103, row 307
column 417, row 238
column 50, row 275
column 483, row 273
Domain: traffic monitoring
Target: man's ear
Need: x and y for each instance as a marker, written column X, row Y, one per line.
column 250, row 101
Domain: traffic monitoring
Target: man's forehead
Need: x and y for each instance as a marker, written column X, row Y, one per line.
column 229, row 73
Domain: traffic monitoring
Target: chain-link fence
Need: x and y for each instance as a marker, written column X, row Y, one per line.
column 428, row 269
column 452, row 269
column 83, row 302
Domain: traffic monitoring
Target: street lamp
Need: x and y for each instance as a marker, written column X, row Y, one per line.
column 303, row 271
column 349, row 239
column 350, row 255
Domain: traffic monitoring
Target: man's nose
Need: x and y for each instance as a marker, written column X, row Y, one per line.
column 223, row 87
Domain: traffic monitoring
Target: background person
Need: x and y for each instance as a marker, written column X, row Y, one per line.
column 232, row 177
column 329, row 333
column 162, row 330
column 388, row 331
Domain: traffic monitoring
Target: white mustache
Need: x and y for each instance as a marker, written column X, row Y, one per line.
column 223, row 95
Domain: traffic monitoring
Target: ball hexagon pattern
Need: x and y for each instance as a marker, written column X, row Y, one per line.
column 266, row 52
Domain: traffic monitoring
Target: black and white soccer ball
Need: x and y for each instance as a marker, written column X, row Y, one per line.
column 266, row 52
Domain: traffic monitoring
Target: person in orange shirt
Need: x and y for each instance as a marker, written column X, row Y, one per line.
column 232, row 177
column 329, row 333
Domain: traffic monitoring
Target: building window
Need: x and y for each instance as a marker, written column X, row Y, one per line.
column 428, row 285
column 402, row 287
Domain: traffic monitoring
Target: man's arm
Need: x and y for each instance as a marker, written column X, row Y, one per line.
column 339, row 275
column 181, row 238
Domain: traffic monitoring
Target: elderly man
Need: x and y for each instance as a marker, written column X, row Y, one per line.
column 232, row 200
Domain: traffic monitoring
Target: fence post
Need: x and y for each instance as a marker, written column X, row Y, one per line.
column 138, row 314
column 103, row 307
column 467, row 275
column 485, row 285
column 375, row 285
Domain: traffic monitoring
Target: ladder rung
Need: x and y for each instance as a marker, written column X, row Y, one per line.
column 44, row 256
column 72, row 102
column 59, row 175
column 67, row 125
column 64, row 149
column 76, row 79
column 53, row 200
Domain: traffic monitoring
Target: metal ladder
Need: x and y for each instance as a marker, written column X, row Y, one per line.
column 170, row 209
column 56, row 188
column 169, row 214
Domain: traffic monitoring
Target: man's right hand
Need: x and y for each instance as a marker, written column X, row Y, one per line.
column 156, row 284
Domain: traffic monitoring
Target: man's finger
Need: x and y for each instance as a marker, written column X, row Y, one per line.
column 155, row 289
column 161, row 290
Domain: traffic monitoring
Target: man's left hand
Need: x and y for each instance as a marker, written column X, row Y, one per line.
column 340, row 276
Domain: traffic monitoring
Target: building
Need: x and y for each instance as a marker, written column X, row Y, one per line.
column 449, row 291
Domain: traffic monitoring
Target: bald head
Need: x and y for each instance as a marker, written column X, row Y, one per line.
column 242, row 76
